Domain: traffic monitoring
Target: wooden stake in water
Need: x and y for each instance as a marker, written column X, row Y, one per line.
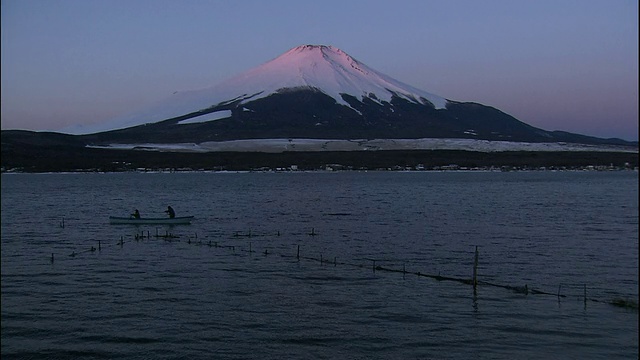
column 585, row 294
column 559, row 286
column 298, row 254
column 475, row 269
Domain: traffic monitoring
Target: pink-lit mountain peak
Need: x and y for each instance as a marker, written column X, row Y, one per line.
column 310, row 56
column 329, row 70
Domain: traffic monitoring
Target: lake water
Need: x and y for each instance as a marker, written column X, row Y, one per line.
column 231, row 284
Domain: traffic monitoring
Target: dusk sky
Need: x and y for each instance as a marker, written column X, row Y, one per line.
column 558, row 65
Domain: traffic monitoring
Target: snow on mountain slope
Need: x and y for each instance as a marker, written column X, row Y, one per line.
column 324, row 68
column 327, row 69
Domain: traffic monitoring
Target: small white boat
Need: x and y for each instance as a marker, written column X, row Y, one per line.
column 113, row 220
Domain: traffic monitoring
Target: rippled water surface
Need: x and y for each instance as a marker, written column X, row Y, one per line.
column 296, row 265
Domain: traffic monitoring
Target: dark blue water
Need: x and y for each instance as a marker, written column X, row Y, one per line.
column 230, row 285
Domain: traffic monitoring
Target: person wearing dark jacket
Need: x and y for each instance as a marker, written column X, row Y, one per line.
column 170, row 211
column 136, row 214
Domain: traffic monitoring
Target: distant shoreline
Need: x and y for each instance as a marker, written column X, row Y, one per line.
column 59, row 159
column 303, row 171
column 280, row 145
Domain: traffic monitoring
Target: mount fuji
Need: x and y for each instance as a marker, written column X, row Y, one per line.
column 312, row 93
column 313, row 68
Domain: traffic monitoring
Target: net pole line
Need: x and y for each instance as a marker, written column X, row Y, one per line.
column 524, row 290
column 91, row 249
column 474, row 281
column 250, row 233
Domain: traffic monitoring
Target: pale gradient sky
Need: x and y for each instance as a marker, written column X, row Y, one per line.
column 554, row 64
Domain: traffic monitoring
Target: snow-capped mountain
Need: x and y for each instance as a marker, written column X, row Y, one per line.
column 318, row 67
column 315, row 92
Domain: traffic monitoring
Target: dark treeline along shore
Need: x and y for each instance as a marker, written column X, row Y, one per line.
column 64, row 158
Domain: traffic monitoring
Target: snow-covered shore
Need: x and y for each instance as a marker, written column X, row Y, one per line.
column 282, row 145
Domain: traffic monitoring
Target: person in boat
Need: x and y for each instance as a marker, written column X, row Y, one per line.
column 136, row 214
column 170, row 211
